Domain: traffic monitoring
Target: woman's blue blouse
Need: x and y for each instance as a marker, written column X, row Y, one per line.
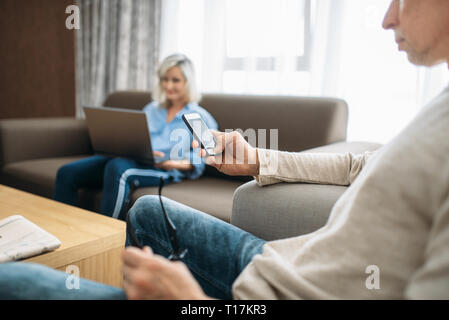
column 174, row 138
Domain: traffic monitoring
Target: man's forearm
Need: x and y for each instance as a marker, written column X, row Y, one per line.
column 321, row 168
column 254, row 166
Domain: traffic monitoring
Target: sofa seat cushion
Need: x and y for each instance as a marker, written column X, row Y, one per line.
column 35, row 176
column 210, row 195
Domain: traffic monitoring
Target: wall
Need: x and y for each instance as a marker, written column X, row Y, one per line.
column 37, row 74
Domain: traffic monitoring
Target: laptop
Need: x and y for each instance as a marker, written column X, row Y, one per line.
column 120, row 132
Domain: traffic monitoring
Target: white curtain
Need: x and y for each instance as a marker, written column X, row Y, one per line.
column 117, row 48
column 203, row 28
column 352, row 57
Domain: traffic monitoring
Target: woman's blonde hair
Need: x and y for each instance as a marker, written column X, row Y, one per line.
column 186, row 66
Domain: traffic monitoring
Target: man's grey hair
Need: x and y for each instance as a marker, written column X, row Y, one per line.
column 188, row 71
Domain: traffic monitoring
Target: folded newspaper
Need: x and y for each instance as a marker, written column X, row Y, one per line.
column 21, row 238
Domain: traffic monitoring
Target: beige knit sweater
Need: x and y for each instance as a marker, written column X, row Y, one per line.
column 390, row 228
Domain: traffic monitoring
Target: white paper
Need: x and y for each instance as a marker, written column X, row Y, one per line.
column 20, row 238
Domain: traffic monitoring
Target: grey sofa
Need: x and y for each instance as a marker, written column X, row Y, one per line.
column 32, row 150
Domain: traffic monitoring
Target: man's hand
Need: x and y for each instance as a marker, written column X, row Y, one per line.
column 149, row 276
column 236, row 156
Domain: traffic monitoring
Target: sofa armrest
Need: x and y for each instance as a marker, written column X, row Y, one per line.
column 290, row 209
column 26, row 139
column 283, row 210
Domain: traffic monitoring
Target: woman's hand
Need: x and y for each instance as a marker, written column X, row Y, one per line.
column 150, row 276
column 182, row 165
column 235, row 157
column 158, row 154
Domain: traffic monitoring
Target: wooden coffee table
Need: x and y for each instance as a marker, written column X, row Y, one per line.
column 90, row 241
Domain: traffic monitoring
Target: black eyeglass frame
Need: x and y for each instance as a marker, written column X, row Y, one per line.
column 177, row 254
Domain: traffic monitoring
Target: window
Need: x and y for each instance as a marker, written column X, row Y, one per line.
column 267, row 45
column 242, row 46
column 264, row 31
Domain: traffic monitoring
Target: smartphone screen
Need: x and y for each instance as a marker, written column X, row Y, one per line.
column 201, row 132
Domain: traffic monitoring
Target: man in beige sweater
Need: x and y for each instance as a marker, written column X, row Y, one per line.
column 393, row 217
column 387, row 237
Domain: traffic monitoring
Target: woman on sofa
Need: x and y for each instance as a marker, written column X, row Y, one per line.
column 174, row 94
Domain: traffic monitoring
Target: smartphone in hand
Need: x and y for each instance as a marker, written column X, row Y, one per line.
column 201, row 132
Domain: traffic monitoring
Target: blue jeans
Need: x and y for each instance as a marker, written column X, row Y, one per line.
column 114, row 175
column 217, row 254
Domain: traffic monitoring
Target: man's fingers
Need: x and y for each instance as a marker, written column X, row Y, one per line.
column 232, row 138
column 127, row 274
column 211, row 161
column 128, row 287
column 147, row 250
column 133, row 282
column 133, row 256
column 220, row 139
column 131, row 293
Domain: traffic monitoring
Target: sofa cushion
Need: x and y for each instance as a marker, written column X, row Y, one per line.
column 211, row 195
column 283, row 210
column 207, row 194
column 35, row 176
